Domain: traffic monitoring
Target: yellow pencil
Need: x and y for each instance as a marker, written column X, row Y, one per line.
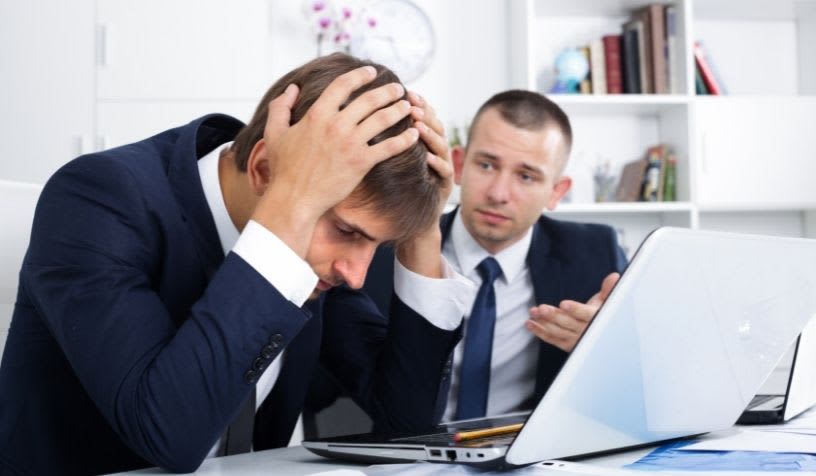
column 499, row 430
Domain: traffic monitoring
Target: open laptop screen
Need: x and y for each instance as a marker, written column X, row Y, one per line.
column 680, row 347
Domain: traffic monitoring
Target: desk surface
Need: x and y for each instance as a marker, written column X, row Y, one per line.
column 298, row 461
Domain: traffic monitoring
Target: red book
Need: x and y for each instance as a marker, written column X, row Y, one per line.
column 614, row 67
column 706, row 71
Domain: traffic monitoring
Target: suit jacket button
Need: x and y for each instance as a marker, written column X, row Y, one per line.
column 251, row 376
column 276, row 340
column 268, row 351
column 258, row 364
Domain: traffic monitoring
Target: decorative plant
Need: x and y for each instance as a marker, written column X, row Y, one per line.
column 336, row 23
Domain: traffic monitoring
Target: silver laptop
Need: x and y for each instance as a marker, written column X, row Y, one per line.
column 695, row 325
column 800, row 391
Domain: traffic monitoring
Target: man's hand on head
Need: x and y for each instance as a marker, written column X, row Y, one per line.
column 562, row 326
column 317, row 162
column 423, row 253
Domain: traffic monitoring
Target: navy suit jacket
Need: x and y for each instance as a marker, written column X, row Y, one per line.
column 567, row 260
column 134, row 341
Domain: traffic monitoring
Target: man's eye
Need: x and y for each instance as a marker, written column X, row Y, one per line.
column 485, row 165
column 345, row 232
column 526, row 177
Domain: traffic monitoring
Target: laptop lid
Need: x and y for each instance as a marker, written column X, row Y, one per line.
column 801, row 394
column 697, row 322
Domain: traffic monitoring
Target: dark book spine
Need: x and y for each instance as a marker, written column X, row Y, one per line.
column 631, row 62
column 614, row 65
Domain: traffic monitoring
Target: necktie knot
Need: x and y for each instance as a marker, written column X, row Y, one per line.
column 489, row 269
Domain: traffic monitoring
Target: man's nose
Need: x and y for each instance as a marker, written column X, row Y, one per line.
column 353, row 268
column 499, row 189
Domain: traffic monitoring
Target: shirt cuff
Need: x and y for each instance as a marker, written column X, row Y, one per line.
column 442, row 302
column 290, row 274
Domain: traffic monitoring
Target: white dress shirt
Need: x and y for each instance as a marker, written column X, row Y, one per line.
column 515, row 349
column 295, row 280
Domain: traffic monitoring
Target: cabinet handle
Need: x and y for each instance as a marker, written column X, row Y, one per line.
column 81, row 145
column 101, row 142
column 102, row 49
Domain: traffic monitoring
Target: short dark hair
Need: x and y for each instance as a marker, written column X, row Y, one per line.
column 402, row 188
column 526, row 110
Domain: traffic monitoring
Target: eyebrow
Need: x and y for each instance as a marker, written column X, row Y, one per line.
column 356, row 228
column 524, row 165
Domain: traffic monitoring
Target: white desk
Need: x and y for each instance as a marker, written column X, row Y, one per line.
column 297, row 461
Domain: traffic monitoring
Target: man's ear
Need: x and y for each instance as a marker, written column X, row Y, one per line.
column 561, row 187
column 258, row 168
column 458, row 156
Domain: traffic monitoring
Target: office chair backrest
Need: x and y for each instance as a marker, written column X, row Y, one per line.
column 17, row 203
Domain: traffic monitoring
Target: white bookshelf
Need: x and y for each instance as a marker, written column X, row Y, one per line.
column 746, row 160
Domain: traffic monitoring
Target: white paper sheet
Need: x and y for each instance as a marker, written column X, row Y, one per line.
column 757, row 440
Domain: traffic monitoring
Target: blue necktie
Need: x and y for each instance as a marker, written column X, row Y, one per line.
column 474, row 376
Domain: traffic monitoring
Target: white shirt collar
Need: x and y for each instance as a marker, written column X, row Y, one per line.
column 470, row 253
column 208, row 171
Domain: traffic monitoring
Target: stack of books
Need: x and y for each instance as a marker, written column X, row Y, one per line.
column 645, row 58
column 652, row 178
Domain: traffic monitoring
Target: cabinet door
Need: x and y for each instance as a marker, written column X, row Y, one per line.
column 756, row 152
column 209, row 49
column 123, row 123
column 47, row 86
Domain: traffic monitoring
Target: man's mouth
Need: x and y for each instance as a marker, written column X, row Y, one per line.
column 323, row 285
column 492, row 217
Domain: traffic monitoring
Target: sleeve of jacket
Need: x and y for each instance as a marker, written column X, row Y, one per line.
column 168, row 391
column 395, row 368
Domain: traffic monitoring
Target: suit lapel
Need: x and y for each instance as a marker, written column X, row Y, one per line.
column 196, row 140
column 548, row 288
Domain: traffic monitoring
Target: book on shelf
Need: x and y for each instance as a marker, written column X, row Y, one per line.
column 641, row 18
column 613, row 62
column 651, row 48
column 631, row 58
column 597, row 66
column 585, row 86
column 631, row 180
column 699, row 85
column 674, row 50
column 653, row 178
column 703, row 63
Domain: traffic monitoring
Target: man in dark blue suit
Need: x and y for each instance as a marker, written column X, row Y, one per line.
column 546, row 272
column 177, row 292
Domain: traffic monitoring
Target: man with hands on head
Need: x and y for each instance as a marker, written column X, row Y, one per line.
column 177, row 292
column 540, row 280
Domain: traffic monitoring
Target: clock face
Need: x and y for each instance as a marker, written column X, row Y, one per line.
column 403, row 38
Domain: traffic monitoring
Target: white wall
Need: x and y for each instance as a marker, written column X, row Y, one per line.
column 57, row 101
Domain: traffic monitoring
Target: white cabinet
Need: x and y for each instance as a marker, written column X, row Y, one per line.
column 158, row 50
column 125, row 122
column 746, row 161
column 47, row 86
column 756, row 152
